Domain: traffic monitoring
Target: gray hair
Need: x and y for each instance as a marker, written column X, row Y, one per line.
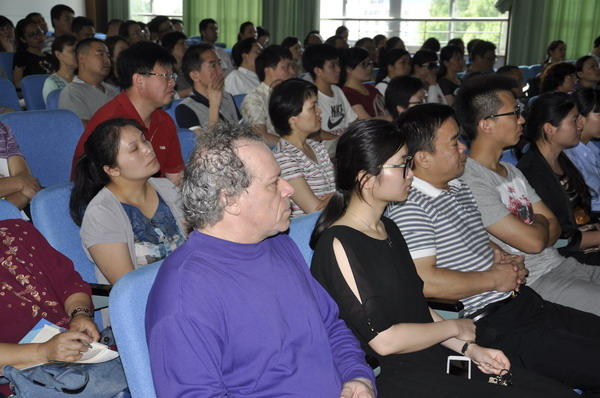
column 215, row 174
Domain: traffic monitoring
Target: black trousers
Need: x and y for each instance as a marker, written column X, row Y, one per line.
column 556, row 341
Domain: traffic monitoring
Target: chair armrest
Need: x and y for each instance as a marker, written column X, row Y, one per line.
column 100, row 290
column 448, row 309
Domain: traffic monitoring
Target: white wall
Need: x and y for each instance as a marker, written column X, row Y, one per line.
column 18, row 9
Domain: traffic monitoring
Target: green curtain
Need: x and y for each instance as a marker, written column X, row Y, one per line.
column 535, row 23
column 229, row 14
column 117, row 9
column 290, row 18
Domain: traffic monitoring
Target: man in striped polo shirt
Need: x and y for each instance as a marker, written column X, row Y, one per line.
column 455, row 258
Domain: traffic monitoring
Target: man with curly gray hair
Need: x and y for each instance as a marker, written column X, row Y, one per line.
column 235, row 311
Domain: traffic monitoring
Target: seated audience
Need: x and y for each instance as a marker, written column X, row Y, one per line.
column 209, row 33
column 321, row 61
column 558, row 77
column 127, row 218
column 83, row 28
column 396, row 62
column 262, row 36
column 483, row 57
column 132, row 31
column 176, row 44
column 209, row 102
column 555, row 52
column 61, row 17
column 29, row 58
column 356, row 68
column 273, row 65
column 247, row 31
column 40, row 21
column 243, row 79
column 337, row 41
column 432, row 44
column 115, row 45
column 404, row 92
column 88, row 91
column 513, row 214
column 146, row 76
column 394, row 42
column 17, row 185
column 452, row 62
column 177, row 25
column 553, row 126
column 255, row 323
column 456, row 259
column 514, row 73
column 587, row 71
column 293, row 44
column 425, row 66
column 39, row 283
column 304, row 163
column 7, row 35
column 158, row 27
column 64, row 62
column 313, row 37
column 343, row 32
column 368, row 44
column 586, row 154
column 458, row 42
column 112, row 27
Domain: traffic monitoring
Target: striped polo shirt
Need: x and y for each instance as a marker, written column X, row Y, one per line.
column 447, row 225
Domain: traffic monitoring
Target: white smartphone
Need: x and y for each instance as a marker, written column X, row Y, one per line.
column 459, row 366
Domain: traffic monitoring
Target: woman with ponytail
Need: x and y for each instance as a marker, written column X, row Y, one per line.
column 127, row 218
column 362, row 260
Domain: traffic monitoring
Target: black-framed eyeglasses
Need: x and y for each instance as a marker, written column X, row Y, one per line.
column 405, row 166
column 516, row 112
column 366, row 64
column 431, row 65
column 168, row 76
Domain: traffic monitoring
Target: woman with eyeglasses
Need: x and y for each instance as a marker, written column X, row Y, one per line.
column 305, row 163
column 29, row 58
column 362, row 260
column 395, row 62
column 128, row 219
column 425, row 66
column 553, row 125
column 452, row 62
column 356, row 67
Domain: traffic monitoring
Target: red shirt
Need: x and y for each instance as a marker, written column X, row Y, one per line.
column 162, row 133
column 374, row 103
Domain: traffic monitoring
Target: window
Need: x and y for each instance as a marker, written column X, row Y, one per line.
column 145, row 10
column 417, row 20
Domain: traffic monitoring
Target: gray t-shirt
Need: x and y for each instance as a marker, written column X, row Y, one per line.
column 84, row 99
column 191, row 112
column 498, row 197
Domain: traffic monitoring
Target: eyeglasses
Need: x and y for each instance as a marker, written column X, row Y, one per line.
column 431, row 65
column 366, row 64
column 517, row 112
column 168, row 76
column 34, row 34
column 406, row 166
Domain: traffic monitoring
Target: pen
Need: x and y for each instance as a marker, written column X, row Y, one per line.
column 85, row 343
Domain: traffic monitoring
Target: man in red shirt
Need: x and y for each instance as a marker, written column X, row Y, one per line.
column 146, row 73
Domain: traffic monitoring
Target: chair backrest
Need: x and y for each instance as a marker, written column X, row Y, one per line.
column 187, row 141
column 50, row 214
column 48, row 140
column 127, row 304
column 171, row 109
column 238, row 99
column 8, row 210
column 31, row 87
column 6, row 62
column 52, row 99
column 8, row 94
column 301, row 229
column 535, row 70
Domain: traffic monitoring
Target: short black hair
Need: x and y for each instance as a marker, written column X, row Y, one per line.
column 79, row 23
column 422, row 57
column 478, row 98
column 139, row 58
column 169, row 41
column 85, row 44
column 290, row 41
column 399, row 91
column 287, row 100
column 242, row 47
column 363, row 41
column 124, row 27
column 506, row 69
column 269, row 58
column 57, row 10
column 597, row 41
column 331, row 40
column 115, row 21
column 482, row 47
column 340, row 30
column 420, row 125
column 260, row 31
column 192, row 59
column 204, row 24
column 432, row 44
column 155, row 23
column 315, row 57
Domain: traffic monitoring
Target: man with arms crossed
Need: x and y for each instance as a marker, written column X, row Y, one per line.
column 234, row 311
column 455, row 258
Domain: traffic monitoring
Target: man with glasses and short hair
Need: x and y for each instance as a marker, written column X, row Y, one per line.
column 457, row 259
column 484, row 58
column 147, row 78
column 88, row 91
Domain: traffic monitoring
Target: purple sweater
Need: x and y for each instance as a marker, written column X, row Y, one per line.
column 240, row 320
